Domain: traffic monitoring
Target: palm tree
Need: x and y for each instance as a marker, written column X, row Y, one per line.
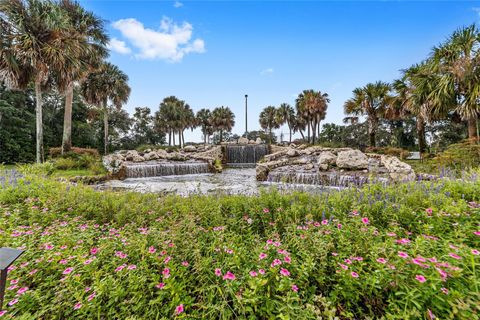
column 223, row 119
column 167, row 117
column 269, row 120
column 457, row 63
column 106, row 84
column 286, row 114
column 88, row 30
column 204, row 120
column 312, row 106
column 371, row 100
column 36, row 39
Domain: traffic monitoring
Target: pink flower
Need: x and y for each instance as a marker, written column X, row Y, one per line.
column 339, row 226
column 403, row 241
column 381, row 260
column 420, row 278
column 179, row 309
column 354, row 274
column 261, row 271
column 94, row 252
column 167, row 259
column 355, row 212
column 455, row 256
column 151, row 250
column 287, row 259
column 160, row 285
column 90, row 297
column 276, row 262
column 348, row 261
column 475, row 252
column 444, row 290
column 477, row 233
column 68, row 271
column 429, row 210
column 77, row 306
column 166, row 272
column 22, row 290
column 266, row 210
column 132, row 267
column 262, row 256
column 120, row 268
column 229, row 276
column 218, row 272
column 284, row 272
column 253, row 273
column 365, row 220
column 294, row 288
column 2, row 313
column 87, row 289
column 402, row 254
column 12, row 302
column 88, row 261
column 343, row 266
column 324, row 222
column 185, row 263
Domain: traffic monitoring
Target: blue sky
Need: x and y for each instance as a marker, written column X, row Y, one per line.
column 213, row 53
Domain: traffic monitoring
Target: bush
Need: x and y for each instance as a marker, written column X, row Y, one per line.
column 57, row 152
column 397, row 152
column 460, row 156
column 402, row 252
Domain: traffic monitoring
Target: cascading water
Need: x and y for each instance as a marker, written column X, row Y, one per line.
column 332, row 179
column 244, row 155
column 155, row 169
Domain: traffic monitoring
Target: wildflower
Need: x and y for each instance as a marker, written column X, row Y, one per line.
column 218, row 272
column 77, row 306
column 365, row 220
column 324, row 222
column 420, row 278
column 166, row 272
column 343, row 266
column 132, row 267
column 294, row 288
column 12, row 302
column 287, row 259
column 348, row 261
column 87, row 289
column 151, row 250
column 120, row 268
column 266, row 210
column 229, row 251
column 444, row 290
column 431, row 316
column 429, row 210
column 477, row 233
column 276, row 262
column 88, row 261
column 284, row 272
column 261, row 271
column 355, row 212
column 391, row 234
column 253, row 273
column 185, row 263
column 167, row 259
column 2, row 313
column 160, row 285
column 339, row 226
column 381, row 260
column 229, row 276
column 403, row 241
column 90, row 297
column 179, row 309
column 475, row 252
column 354, row 274
column 68, row 271
column 334, row 254
column 455, row 256
column 22, row 290
column 402, row 254
column 93, row 251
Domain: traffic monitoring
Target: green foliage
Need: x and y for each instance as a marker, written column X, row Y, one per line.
column 57, row 152
column 397, row 152
column 460, row 156
column 141, row 256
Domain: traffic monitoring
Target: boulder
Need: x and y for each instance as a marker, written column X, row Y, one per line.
column 189, row 149
column 152, row 155
column 243, row 140
column 398, row 170
column 292, row 153
column 131, row 154
column 352, row 160
column 162, row 154
column 326, row 159
column 261, row 172
column 138, row 158
column 251, row 142
column 258, row 141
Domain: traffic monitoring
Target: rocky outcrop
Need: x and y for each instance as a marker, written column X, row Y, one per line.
column 242, row 140
column 398, row 170
column 352, row 160
column 326, row 159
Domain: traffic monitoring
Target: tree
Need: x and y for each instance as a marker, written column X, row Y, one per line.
column 223, row 119
column 286, row 114
column 143, row 131
column 457, row 63
column 312, row 107
column 269, row 120
column 371, row 100
column 204, row 120
column 106, row 84
column 88, row 30
column 35, row 40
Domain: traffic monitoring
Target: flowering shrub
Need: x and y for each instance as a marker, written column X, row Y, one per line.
column 406, row 251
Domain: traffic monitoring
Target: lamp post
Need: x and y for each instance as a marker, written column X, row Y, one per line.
column 7, row 257
column 246, row 112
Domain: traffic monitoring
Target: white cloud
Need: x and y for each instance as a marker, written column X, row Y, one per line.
column 171, row 42
column 177, row 4
column 118, row 46
column 266, row 72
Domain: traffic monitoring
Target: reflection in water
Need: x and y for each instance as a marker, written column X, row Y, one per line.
column 230, row 181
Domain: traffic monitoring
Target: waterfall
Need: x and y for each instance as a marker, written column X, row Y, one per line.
column 331, row 179
column 245, row 154
column 165, row 169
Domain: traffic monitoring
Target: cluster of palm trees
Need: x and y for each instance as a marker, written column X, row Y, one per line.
column 445, row 85
column 310, row 109
column 175, row 116
column 57, row 44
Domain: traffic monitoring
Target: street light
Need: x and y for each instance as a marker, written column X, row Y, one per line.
column 7, row 257
column 246, row 112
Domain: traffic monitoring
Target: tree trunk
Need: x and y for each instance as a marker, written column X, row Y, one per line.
column 173, row 134
column 39, row 121
column 314, row 131
column 372, row 130
column 308, row 131
column 183, row 138
column 421, row 135
column 169, row 137
column 301, row 133
column 290, row 128
column 472, row 128
column 105, row 129
column 67, row 120
column 221, row 136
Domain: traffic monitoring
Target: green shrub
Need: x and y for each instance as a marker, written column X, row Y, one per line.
column 397, row 152
column 57, row 152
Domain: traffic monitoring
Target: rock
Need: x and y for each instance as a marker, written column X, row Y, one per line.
column 398, row 170
column 243, row 140
column 131, row 154
column 292, row 153
column 162, row 154
column 326, row 159
column 138, row 158
column 189, row 149
column 152, row 155
column 251, row 142
column 261, row 172
column 258, row 141
column 309, row 166
column 352, row 159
